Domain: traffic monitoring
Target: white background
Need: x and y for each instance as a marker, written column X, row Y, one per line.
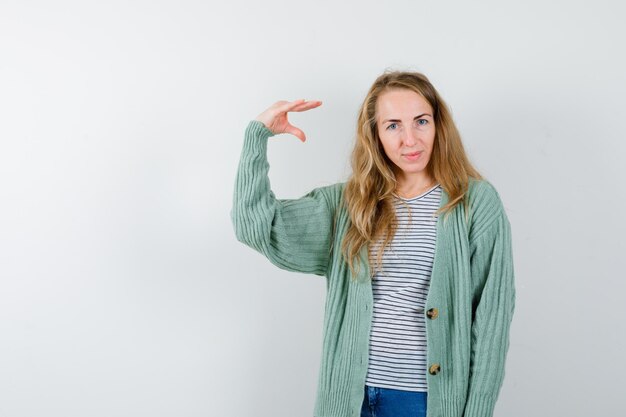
column 123, row 291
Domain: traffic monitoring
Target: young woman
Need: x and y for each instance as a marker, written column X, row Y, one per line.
column 416, row 248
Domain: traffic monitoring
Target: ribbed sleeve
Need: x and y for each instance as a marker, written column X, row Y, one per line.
column 493, row 280
column 294, row 234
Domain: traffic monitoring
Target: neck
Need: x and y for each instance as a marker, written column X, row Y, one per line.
column 414, row 186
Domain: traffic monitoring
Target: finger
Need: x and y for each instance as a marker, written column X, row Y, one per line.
column 288, row 105
column 296, row 132
column 300, row 105
column 308, row 105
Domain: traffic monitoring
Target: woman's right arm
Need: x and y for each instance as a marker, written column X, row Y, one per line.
column 294, row 234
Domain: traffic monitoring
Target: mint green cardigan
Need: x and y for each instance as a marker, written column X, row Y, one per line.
column 472, row 286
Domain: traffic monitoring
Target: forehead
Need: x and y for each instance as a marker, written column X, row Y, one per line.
column 399, row 103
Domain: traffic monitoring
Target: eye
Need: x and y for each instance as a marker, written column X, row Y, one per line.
column 419, row 122
column 390, row 126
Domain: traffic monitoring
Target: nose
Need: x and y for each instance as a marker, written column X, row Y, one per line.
column 410, row 138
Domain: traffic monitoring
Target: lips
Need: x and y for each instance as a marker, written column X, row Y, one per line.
column 413, row 156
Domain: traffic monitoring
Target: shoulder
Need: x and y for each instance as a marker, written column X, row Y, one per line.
column 482, row 193
column 485, row 206
column 333, row 193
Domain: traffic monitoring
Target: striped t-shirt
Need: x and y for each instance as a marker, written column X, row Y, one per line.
column 397, row 352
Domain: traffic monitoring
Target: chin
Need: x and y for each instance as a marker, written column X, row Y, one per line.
column 414, row 170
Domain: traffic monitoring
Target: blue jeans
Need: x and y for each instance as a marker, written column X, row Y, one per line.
column 385, row 402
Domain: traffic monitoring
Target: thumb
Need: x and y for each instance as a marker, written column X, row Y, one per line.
column 296, row 132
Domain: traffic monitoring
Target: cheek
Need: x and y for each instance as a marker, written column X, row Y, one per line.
column 388, row 151
column 387, row 145
column 430, row 143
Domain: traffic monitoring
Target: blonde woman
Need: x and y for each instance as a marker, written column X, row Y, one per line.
column 416, row 250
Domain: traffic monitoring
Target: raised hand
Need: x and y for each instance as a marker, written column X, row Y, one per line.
column 275, row 117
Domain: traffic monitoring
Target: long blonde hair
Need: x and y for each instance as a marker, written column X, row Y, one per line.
column 368, row 194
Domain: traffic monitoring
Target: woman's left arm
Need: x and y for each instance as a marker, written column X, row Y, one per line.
column 493, row 305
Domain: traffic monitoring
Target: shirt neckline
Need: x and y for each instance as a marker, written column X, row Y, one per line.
column 424, row 194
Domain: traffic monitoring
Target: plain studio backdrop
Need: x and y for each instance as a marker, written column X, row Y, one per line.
column 123, row 290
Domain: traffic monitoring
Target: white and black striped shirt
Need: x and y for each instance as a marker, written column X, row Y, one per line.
column 397, row 353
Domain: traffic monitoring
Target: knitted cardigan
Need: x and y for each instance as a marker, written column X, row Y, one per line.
column 472, row 286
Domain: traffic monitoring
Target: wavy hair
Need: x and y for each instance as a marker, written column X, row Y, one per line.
column 368, row 193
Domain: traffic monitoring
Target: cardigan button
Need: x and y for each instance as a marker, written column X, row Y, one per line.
column 432, row 313
column 434, row 369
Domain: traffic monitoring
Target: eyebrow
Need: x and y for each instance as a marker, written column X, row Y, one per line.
column 415, row 118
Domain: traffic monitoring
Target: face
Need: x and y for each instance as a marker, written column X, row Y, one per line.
column 407, row 131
